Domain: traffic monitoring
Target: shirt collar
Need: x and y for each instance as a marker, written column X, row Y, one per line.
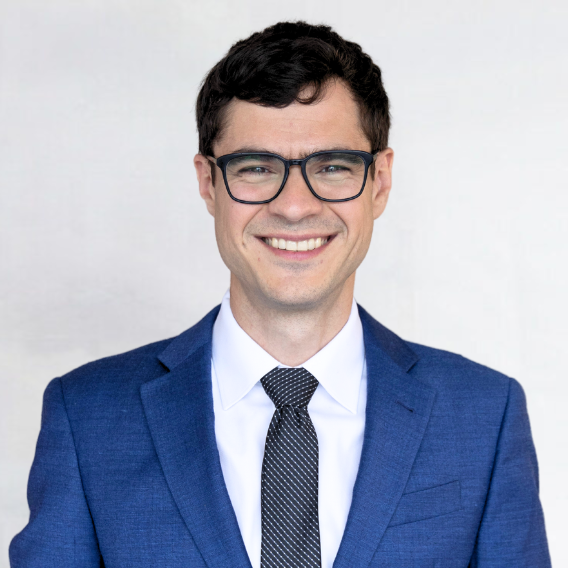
column 239, row 362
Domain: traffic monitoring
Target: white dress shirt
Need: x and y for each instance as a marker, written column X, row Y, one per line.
column 243, row 412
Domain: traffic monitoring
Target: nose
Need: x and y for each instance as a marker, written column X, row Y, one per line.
column 296, row 201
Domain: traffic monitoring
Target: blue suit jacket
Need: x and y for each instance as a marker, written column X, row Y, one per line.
column 127, row 472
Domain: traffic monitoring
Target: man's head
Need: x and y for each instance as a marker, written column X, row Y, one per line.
column 293, row 90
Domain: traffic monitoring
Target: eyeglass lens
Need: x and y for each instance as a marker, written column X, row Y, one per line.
column 332, row 175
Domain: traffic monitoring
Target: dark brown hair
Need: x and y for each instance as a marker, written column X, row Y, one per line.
column 275, row 66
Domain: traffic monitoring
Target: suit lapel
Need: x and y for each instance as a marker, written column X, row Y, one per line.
column 179, row 410
column 398, row 410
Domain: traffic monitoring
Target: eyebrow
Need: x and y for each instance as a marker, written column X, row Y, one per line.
column 259, row 150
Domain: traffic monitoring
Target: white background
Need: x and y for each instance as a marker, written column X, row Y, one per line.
column 105, row 244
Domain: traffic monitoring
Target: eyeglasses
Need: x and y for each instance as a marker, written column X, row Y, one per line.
column 259, row 177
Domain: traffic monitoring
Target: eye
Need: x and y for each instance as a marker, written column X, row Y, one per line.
column 255, row 170
column 253, row 167
column 333, row 168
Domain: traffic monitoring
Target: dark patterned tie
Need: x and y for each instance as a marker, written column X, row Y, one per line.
column 290, row 527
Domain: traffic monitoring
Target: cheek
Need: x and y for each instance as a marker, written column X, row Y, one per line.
column 358, row 218
column 225, row 223
column 366, row 219
column 231, row 223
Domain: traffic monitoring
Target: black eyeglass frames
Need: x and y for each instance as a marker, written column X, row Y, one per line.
column 259, row 177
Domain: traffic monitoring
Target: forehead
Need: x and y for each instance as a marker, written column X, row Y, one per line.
column 295, row 130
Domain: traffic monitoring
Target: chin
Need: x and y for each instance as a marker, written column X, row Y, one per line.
column 295, row 296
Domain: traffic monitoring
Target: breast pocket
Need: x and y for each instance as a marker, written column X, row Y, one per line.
column 427, row 503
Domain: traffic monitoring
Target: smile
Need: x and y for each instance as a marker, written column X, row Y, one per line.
column 298, row 246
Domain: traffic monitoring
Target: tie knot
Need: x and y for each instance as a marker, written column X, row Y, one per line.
column 289, row 386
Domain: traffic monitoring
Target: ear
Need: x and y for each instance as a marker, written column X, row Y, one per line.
column 206, row 186
column 382, row 181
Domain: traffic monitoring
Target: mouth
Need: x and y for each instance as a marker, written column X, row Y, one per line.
column 304, row 245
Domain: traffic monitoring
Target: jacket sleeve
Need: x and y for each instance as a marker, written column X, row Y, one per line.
column 60, row 531
column 512, row 530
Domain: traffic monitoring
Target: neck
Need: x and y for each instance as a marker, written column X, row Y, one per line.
column 292, row 336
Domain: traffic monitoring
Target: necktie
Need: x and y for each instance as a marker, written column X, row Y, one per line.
column 289, row 484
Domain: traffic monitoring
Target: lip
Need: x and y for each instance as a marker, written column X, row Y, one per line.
column 295, row 237
column 296, row 255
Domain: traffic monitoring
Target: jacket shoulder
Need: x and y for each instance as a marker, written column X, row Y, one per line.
column 437, row 368
column 462, row 384
column 128, row 371
column 110, row 375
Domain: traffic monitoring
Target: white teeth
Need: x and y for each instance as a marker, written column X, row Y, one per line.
column 306, row 245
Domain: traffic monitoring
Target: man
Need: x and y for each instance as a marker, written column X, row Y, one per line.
column 287, row 428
